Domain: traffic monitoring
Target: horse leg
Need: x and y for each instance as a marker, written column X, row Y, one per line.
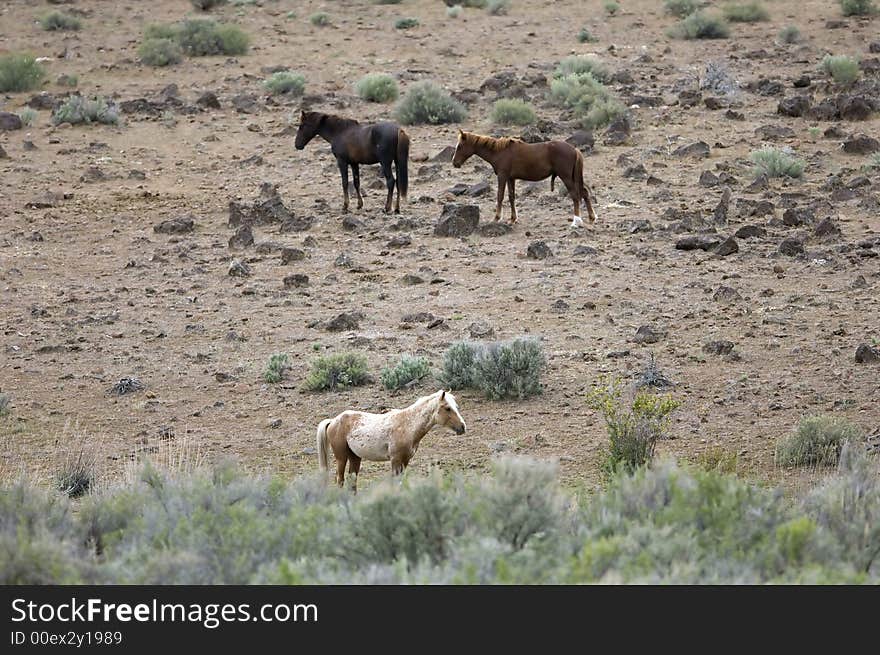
column 397, row 185
column 356, row 177
column 573, row 187
column 340, row 469
column 511, row 195
column 389, row 181
column 354, row 467
column 343, row 171
column 502, row 183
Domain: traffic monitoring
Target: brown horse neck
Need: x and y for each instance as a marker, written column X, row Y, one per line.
column 422, row 415
column 333, row 125
column 487, row 153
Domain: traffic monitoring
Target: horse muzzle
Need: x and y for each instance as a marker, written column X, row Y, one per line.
column 299, row 147
column 456, row 164
column 460, row 429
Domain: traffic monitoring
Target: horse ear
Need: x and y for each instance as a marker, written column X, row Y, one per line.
column 442, row 395
column 460, row 132
column 302, row 115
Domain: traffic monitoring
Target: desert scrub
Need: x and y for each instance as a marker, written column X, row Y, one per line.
column 459, row 365
column 19, row 73
column 76, row 474
column 57, row 21
column 718, row 460
column 580, row 64
column 387, row 2
column 858, row 7
column 202, row 38
column 873, row 163
column 700, row 25
column 680, row 8
column 749, row 12
column 277, row 368
column 28, row 116
column 5, row 404
column 585, row 36
column 286, row 83
column 589, row 99
column 634, row 425
column 841, row 68
column 498, row 7
column 160, row 52
column 454, row 11
column 510, row 369
column 406, row 23
column 512, row 111
column 611, row 7
column 377, row 87
column 333, row 372
column 427, row 103
column 207, row 5
column 789, row 34
column 773, row 162
column 78, row 109
column 818, row 440
column 406, row 372
column 320, row 19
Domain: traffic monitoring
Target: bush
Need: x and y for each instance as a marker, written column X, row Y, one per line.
column 590, row 100
column 585, row 36
column 77, row 473
column 498, row 7
column 28, row 116
column 160, row 52
column 873, row 162
column 377, row 87
column 19, row 73
column 718, row 460
column 717, row 78
column 633, row 427
column 582, row 64
column 277, row 368
column 776, row 163
column 680, row 8
column 700, row 25
column 58, row 21
column 285, row 82
column 202, row 38
column 751, row 12
column 5, row 403
column 459, row 365
column 408, row 370
column 510, row 369
column 387, row 2
column 427, row 103
column 77, row 109
column 454, row 11
column 858, row 7
column 334, row 372
column 843, row 69
column 789, row 34
column 406, row 23
column 611, row 7
column 207, row 5
column 512, row 111
column 320, row 19
column 818, row 440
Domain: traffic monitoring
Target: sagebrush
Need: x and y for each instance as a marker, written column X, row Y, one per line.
column 590, row 101
column 77, row 109
column 498, row 7
column 512, row 111
column 581, row 64
column 200, row 37
column 160, row 52
column 405, row 372
column 700, row 25
column 377, row 87
column 858, row 7
column 748, row 12
column 680, row 8
column 277, row 368
column 789, row 34
column 58, row 21
column 774, row 162
column 286, row 83
column 19, row 72
column 340, row 371
column 406, row 23
column 842, row 68
column 818, row 440
column 427, row 103
column 500, row 370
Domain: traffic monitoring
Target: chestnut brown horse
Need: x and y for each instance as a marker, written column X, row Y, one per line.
column 353, row 144
column 512, row 160
column 394, row 435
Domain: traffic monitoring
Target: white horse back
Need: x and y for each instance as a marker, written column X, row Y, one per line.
column 370, row 434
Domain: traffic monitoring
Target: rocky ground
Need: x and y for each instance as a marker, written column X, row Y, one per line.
column 116, row 244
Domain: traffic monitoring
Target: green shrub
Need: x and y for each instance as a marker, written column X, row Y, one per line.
column 498, row 7
column 680, row 8
column 634, row 426
column 320, row 19
column 750, row 12
column 454, row 11
column 333, row 372
column 406, row 23
column 873, row 162
column 406, row 371
column 590, row 100
column 611, row 7
column 858, row 7
column 789, row 34
column 58, row 21
column 459, row 365
column 76, row 475
column 28, row 116
column 285, row 82
column 5, row 403
column 585, row 36
column 773, row 162
column 19, row 73
column 818, row 440
column 843, row 69
column 512, row 111
column 77, row 109
column 510, row 369
column 160, row 52
column 202, row 38
column 718, row 460
column 700, row 25
column 581, row 64
column 427, row 103
column 277, row 368
column 475, row 4
column 377, row 87
column 155, row 31
column 207, row 5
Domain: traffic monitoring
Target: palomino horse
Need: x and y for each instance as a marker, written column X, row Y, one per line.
column 394, row 435
column 512, row 159
column 353, row 144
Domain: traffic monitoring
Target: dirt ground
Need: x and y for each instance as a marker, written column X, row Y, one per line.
column 89, row 293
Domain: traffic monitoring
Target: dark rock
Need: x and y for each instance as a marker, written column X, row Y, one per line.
column 827, row 110
column 45, row 200
column 458, row 189
column 760, row 183
column 750, row 232
column 700, row 149
column 802, row 82
column 246, row 103
column 649, row 334
column 861, row 144
column 767, row 88
column 774, row 132
column 689, row 97
column 718, row 347
column 445, row 155
column 345, row 321
column 698, row 242
column 296, row 281
column 495, row 229
column 834, row 132
column 733, row 115
column 722, row 208
column 418, row 317
column 179, row 225
column 400, row 241
column 238, row 214
column 242, row 238
column 538, row 250
column 457, row 220
column 269, row 208
column 481, row 330
column 637, row 172
column 3, row 154
column 709, row 179
column 141, row 106
column 712, row 103
column 135, row 174
column 826, row 227
column 343, row 260
column 208, row 100
column 410, row 279
column 9, row 121
column 478, row 189
column 874, row 46
column 582, row 139
column 618, row 132
column 351, row 224
column 289, row 255
column 866, row 354
column 238, row 268
column 93, row 174
column 795, row 106
column 855, row 108
column 791, row 247
column 581, row 251
column 797, row 216
column 296, row 224
column 724, row 294
column 42, row 101
column 727, row 247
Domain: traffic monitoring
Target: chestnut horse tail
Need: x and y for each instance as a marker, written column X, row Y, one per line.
column 585, row 191
column 400, row 161
column 322, row 443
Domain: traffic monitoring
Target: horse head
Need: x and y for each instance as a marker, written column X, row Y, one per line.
column 463, row 150
column 309, row 124
column 447, row 414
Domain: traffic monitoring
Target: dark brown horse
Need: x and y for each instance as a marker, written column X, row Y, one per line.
column 512, row 159
column 353, row 144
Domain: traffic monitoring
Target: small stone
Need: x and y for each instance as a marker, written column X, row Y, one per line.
column 238, row 268
column 648, row 334
column 345, row 321
column 727, row 247
column 481, row 330
column 791, row 247
column 538, row 250
column 289, row 255
column 296, row 281
column 866, row 354
column 180, row 225
column 242, row 238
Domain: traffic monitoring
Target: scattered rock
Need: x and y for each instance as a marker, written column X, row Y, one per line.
column 400, row 241
column 861, row 144
column 246, row 103
column 795, row 106
column 296, row 224
column 580, row 251
column 445, row 155
column 345, row 321
column 723, row 206
column 481, row 330
column 582, row 139
column 238, row 268
column 618, row 132
column 826, row 228
column 296, row 281
column 179, row 225
column 289, row 255
column 351, row 224
column 242, row 238
column 343, row 260
column 750, row 232
column 495, row 229
column 698, row 242
column 538, row 250
column 866, row 354
column 774, row 132
column 208, row 100
column 45, row 200
column 478, row 189
column 791, row 247
column 3, row 154
column 9, row 122
column 718, row 347
column 42, row 100
column 411, row 279
column 855, row 108
column 727, row 247
column 709, row 179
column 797, row 216
column 724, row 294
column 649, row 334
column 700, row 150
column 457, row 220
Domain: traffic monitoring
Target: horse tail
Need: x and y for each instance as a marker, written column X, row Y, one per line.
column 321, row 440
column 400, row 160
column 585, row 191
column 552, row 180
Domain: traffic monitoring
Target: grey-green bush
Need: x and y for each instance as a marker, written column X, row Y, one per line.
column 377, row 87
column 585, row 36
column 19, row 72
column 611, row 7
column 427, row 103
column 748, row 12
column 773, row 162
column 406, row 23
column 201, row 38
column 407, row 371
column 580, row 64
column 818, row 440
column 78, row 109
column 57, row 21
column 459, row 364
column 512, row 111
column 700, row 25
column 5, row 404
column 589, row 99
column 286, row 83
column 510, row 369
column 160, row 52
column 498, row 7
column 320, row 19
column 680, row 8
column 789, row 34
column 277, row 368
column 207, row 5
column 28, row 116
column 858, row 7
column 454, row 11
column 841, row 68
column 76, row 474
column 334, row 372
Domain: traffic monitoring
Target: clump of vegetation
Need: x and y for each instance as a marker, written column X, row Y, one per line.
column 320, row 19
column 581, row 64
column 427, row 103
column 858, row 7
column 341, row 371
column 207, row 5
column 377, row 87
column 387, row 2
column 57, row 21
column 680, row 8
column 498, row 7
column 717, row 78
column 588, row 98
column 818, row 440
column 126, row 385
column 28, row 116
column 160, row 52
column 200, row 37
column 512, row 111
column 749, row 12
column 700, row 25
column 842, row 68
column 789, row 34
column 611, row 7
column 873, row 162
column 406, row 372
column 634, row 426
column 287, row 83
column 585, row 36
column 454, row 11
column 774, row 162
column 77, row 473
column 78, row 109
column 459, row 365
column 406, row 23
column 19, row 73
column 506, row 369
column 5, row 404
column 718, row 460
column 277, row 369
column 475, row 4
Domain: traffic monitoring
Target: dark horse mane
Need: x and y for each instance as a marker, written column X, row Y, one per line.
column 490, row 142
column 338, row 120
